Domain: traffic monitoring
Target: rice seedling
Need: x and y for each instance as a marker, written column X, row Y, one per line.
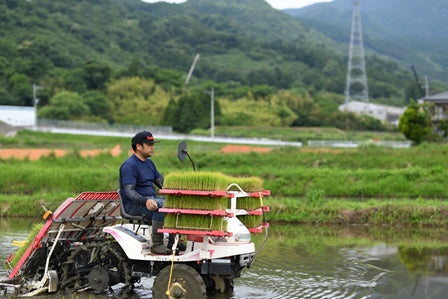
column 19, row 253
column 249, row 203
column 195, row 222
column 251, row 221
column 196, row 181
column 206, row 181
column 196, row 202
column 210, row 181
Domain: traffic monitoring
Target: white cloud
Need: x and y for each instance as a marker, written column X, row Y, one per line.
column 283, row 4
column 278, row 4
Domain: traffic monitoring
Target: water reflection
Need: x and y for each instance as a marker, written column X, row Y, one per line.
column 320, row 262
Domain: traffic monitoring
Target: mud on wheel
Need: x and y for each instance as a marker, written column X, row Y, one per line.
column 95, row 265
column 186, row 283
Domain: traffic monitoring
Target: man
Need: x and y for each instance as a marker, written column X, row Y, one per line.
column 138, row 174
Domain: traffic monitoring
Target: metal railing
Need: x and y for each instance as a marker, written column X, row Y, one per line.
column 79, row 125
column 166, row 132
column 354, row 144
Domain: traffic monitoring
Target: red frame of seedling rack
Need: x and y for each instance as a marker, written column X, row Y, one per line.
column 223, row 213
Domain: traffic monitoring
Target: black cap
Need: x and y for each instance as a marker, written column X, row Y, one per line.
column 143, row 137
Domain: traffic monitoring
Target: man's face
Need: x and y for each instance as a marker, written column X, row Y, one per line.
column 146, row 149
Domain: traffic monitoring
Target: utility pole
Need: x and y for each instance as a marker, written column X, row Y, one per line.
column 35, row 101
column 190, row 72
column 356, row 82
column 212, row 111
column 419, row 85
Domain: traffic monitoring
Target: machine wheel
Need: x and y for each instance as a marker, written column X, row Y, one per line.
column 218, row 284
column 95, row 266
column 186, row 283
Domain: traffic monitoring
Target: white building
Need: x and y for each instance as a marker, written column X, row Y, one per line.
column 18, row 116
column 384, row 113
column 440, row 102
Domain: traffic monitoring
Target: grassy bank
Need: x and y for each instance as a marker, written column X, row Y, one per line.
column 313, row 239
column 392, row 212
column 365, row 185
column 302, row 134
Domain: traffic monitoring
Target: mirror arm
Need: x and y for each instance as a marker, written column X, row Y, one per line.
column 194, row 167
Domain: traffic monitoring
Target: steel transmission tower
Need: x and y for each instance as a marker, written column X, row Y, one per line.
column 356, row 82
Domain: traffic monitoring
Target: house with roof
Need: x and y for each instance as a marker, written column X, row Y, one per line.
column 385, row 113
column 440, row 106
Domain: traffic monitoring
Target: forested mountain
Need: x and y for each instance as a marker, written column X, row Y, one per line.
column 413, row 32
column 237, row 40
column 103, row 59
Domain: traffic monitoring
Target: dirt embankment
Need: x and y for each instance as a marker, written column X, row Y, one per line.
column 244, row 149
column 37, row 153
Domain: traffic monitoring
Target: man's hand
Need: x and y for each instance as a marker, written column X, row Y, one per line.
column 151, row 204
column 159, row 182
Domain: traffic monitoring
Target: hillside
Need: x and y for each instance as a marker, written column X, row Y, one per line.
column 104, row 60
column 243, row 41
column 65, row 34
column 411, row 31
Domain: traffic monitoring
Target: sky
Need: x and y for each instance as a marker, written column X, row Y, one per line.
column 278, row 4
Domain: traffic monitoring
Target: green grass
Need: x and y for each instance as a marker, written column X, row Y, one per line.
column 307, row 185
column 32, row 139
column 419, row 212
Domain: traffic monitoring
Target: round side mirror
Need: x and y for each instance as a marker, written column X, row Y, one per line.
column 182, row 153
column 182, row 150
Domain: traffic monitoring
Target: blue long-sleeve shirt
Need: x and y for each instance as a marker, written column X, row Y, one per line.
column 142, row 175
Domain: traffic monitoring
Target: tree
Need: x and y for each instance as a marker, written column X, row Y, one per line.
column 412, row 92
column 190, row 112
column 6, row 98
column 74, row 81
column 136, row 101
column 66, row 106
column 21, row 88
column 134, row 69
column 96, row 74
column 167, row 78
column 415, row 123
column 443, row 126
column 97, row 103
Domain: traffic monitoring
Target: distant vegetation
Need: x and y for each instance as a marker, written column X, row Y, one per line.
column 125, row 62
column 364, row 185
column 411, row 32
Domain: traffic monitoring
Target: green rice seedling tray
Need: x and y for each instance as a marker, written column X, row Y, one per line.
column 209, row 181
column 195, row 222
column 197, row 203
column 251, row 221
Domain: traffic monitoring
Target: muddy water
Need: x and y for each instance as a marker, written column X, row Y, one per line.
column 319, row 262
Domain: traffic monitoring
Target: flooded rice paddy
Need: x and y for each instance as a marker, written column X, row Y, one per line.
column 317, row 262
